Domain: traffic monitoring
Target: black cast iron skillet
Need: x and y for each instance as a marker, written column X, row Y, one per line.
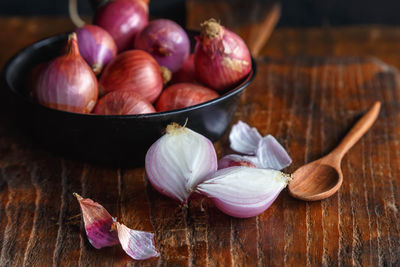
column 117, row 140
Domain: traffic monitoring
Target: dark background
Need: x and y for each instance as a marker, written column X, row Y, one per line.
column 294, row 12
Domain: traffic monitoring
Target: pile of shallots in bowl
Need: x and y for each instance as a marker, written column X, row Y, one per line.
column 124, row 64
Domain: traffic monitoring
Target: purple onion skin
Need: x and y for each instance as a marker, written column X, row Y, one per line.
column 166, row 41
column 123, row 19
column 241, row 212
column 221, row 61
column 96, row 46
column 67, row 82
column 99, row 233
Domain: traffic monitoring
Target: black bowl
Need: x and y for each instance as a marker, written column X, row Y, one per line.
column 120, row 140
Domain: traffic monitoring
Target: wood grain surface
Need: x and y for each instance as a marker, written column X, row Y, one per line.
column 312, row 85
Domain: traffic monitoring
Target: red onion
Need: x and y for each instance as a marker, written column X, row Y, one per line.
column 123, row 103
column 166, row 41
column 183, row 95
column 96, row 46
column 221, row 58
column 133, row 70
column 67, row 82
column 187, row 73
column 123, row 19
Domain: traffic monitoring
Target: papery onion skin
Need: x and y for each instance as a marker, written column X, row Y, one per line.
column 187, row 73
column 179, row 161
column 123, row 103
column 123, row 19
column 271, row 154
column 166, row 41
column 137, row 244
column 96, row 46
column 33, row 78
column 221, row 59
column 243, row 192
column 183, row 95
column 67, row 82
column 98, row 223
column 244, row 139
column 134, row 70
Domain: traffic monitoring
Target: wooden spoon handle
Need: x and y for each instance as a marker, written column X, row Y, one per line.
column 358, row 130
column 263, row 31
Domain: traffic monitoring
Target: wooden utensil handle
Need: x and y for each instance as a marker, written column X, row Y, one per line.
column 264, row 31
column 358, row 130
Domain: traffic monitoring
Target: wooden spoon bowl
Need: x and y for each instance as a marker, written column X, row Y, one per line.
column 322, row 178
column 316, row 181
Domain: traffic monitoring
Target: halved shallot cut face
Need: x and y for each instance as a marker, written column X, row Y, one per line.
column 243, row 191
column 180, row 160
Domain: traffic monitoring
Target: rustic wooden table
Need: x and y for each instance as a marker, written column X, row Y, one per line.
column 312, row 85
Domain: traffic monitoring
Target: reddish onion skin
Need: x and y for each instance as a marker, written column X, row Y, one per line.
column 166, row 41
column 67, row 82
column 221, row 58
column 123, row 103
column 33, row 78
column 96, row 46
column 123, row 19
column 133, row 70
column 183, row 95
column 187, row 73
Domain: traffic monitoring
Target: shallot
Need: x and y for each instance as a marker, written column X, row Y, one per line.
column 123, row 19
column 182, row 163
column 123, row 102
column 166, row 41
column 242, row 191
column 96, row 46
column 221, row 57
column 183, row 95
column 67, row 82
column 178, row 161
column 134, row 70
column 187, row 73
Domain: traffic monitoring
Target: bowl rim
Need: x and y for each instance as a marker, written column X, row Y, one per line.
column 58, row 37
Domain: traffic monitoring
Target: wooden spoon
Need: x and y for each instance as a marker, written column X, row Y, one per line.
column 322, row 178
column 260, row 33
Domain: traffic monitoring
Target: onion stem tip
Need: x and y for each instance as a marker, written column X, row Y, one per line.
column 210, row 28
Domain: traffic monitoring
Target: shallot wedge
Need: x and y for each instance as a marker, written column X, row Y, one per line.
column 243, row 191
